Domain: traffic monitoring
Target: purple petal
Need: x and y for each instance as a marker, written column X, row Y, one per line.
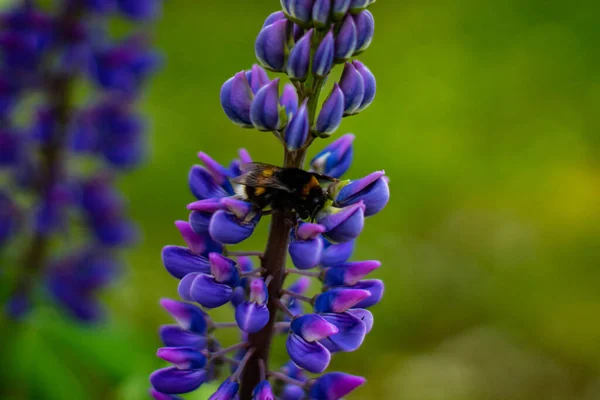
column 258, row 291
column 335, row 254
column 299, row 10
column 340, row 299
column 349, row 273
column 236, row 97
column 300, row 286
column 207, row 292
column 226, row 228
column 344, row 224
column 163, row 396
column 364, row 315
column 335, row 159
column 306, row 254
column 334, row 386
column 219, row 173
column 351, row 332
column 292, row 392
column 373, row 190
column 202, row 184
column 257, row 78
column 195, row 242
column 375, row 287
column 251, row 317
column 182, row 357
column 313, row 357
column 188, row 316
column 227, row 390
column 312, row 327
column 263, row 391
column 174, row 381
column 180, row 261
column 223, row 269
column 175, row 336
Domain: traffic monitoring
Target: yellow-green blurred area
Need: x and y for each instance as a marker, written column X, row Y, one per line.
column 486, row 121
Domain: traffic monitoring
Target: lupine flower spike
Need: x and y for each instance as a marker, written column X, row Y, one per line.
column 47, row 51
column 315, row 217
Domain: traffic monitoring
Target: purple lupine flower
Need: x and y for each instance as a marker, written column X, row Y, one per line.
column 47, row 52
column 232, row 198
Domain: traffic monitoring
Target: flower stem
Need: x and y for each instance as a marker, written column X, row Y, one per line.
column 312, row 274
column 245, row 253
column 284, row 378
column 229, row 349
column 297, row 296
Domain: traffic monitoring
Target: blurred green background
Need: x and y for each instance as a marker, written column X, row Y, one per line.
column 486, row 121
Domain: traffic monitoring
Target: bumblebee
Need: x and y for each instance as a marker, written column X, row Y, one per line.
column 282, row 189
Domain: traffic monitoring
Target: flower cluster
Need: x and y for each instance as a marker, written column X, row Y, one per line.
column 304, row 41
column 68, row 125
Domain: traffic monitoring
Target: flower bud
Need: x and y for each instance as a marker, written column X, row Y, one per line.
column 299, row 11
column 353, row 88
column 299, row 58
column 369, row 84
column 289, row 100
column 343, row 224
column 297, row 130
column 172, row 380
column 364, row 315
column 365, row 29
column 236, row 98
column 257, row 77
column 345, row 40
column 203, row 185
column 330, row 116
column 335, row 159
column 320, row 13
column 357, row 6
column 323, row 59
column 264, row 112
column 372, row 190
column 252, row 315
column 271, row 45
column 339, row 9
column 334, row 386
column 274, row 17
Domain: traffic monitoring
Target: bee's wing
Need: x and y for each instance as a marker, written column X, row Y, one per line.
column 257, row 174
column 324, row 178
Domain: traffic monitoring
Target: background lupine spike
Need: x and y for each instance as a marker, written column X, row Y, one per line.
column 48, row 198
column 320, row 242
